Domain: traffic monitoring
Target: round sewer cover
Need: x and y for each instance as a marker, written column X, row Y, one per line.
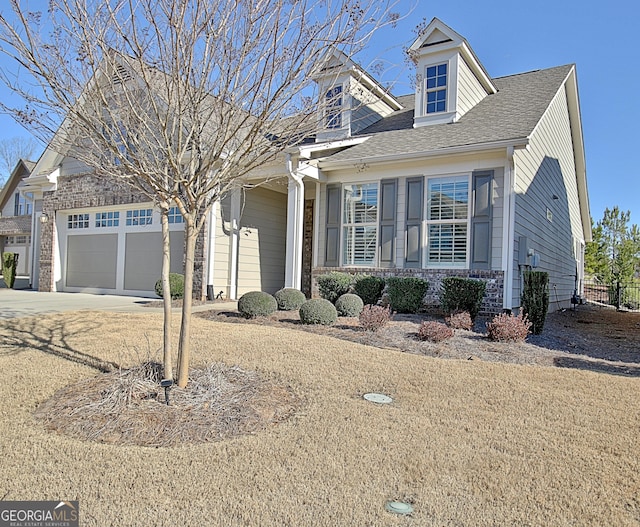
column 379, row 398
column 398, row 507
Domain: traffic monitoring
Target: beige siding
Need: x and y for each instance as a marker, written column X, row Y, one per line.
column 497, row 219
column 71, row 166
column 546, row 185
column 262, row 240
column 470, row 91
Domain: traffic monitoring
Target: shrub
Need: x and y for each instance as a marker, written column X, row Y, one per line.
column 257, row 304
column 406, row 294
column 508, row 328
column 176, row 286
column 349, row 305
column 318, row 311
column 372, row 318
column 333, row 285
column 462, row 294
column 459, row 320
column 434, row 331
column 535, row 298
column 289, row 299
column 369, row 288
column 9, row 266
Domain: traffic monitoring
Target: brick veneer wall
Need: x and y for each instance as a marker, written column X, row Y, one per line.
column 491, row 303
column 90, row 190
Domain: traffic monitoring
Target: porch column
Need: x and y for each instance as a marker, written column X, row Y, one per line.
column 234, row 221
column 295, row 225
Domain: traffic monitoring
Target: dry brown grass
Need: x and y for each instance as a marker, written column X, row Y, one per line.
column 468, row 442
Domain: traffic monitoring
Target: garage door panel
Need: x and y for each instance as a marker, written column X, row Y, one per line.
column 92, row 261
column 143, row 258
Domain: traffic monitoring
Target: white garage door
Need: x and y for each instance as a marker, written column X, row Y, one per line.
column 92, row 261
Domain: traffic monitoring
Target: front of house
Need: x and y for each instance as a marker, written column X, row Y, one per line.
column 469, row 176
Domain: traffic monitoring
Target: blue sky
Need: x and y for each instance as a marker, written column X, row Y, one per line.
column 516, row 37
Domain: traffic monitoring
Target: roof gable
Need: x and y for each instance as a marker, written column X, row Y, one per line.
column 20, row 171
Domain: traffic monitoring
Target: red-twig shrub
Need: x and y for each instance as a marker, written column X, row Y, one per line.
column 434, row 331
column 508, row 328
column 372, row 318
column 459, row 320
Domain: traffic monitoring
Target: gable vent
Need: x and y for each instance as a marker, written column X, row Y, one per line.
column 120, row 74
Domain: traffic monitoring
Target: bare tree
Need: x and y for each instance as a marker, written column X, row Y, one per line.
column 12, row 149
column 180, row 98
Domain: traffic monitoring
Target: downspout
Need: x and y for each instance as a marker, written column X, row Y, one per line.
column 293, row 271
column 509, row 229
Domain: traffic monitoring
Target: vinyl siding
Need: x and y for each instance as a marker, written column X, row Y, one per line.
column 546, row 170
column 470, row 91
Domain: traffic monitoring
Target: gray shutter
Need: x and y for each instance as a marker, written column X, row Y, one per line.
column 387, row 222
column 332, row 239
column 413, row 222
column 481, row 219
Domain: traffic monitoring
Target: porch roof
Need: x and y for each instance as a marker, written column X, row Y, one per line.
column 15, row 225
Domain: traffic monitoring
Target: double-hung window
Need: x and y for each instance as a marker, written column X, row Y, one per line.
column 447, row 221
column 436, row 83
column 333, row 111
column 360, row 224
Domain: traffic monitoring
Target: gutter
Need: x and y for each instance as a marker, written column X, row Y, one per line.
column 509, row 229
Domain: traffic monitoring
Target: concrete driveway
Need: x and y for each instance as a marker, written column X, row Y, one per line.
column 24, row 303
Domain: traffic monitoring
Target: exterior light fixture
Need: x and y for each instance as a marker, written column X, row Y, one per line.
column 44, row 218
column 166, row 384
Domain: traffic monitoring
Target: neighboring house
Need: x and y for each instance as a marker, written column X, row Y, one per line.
column 16, row 217
column 470, row 176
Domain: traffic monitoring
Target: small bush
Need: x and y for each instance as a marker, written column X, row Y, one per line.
column 372, row 318
column 257, row 304
column 535, row 298
column 333, row 285
column 9, row 267
column 406, row 294
column 459, row 320
column 434, row 331
column 176, row 286
column 369, row 288
column 318, row 311
column 349, row 305
column 462, row 294
column 289, row 299
column 508, row 328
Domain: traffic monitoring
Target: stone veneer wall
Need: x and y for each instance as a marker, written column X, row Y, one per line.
column 90, row 190
column 491, row 304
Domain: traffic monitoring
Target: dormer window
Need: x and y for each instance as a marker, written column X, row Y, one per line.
column 333, row 114
column 436, row 82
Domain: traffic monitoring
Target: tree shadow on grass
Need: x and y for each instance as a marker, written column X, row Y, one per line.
column 626, row 370
column 51, row 337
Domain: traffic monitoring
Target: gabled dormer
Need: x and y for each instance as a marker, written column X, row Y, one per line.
column 450, row 80
column 350, row 99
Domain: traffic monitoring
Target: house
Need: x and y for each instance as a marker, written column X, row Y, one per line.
column 470, row 176
column 16, row 217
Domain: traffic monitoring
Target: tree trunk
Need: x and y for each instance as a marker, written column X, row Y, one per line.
column 184, row 344
column 167, row 359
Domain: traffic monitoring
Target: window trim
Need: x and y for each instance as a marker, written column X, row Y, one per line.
column 334, row 104
column 371, row 224
column 437, row 88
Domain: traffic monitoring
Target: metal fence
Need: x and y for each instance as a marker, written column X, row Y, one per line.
column 619, row 294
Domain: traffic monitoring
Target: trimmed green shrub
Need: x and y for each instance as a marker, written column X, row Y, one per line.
column 289, row 299
column 9, row 266
column 535, row 298
column 257, row 304
column 508, row 328
column 434, row 331
column 349, row 305
column 176, row 286
column 369, row 288
column 462, row 294
column 334, row 285
column 318, row 311
column 372, row 318
column 406, row 294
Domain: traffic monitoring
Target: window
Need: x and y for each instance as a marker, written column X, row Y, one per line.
column 78, row 221
column 436, row 80
column 175, row 216
column 107, row 219
column 139, row 217
column 9, row 240
column 334, row 108
column 447, row 220
column 360, row 224
column 21, row 206
column 21, row 240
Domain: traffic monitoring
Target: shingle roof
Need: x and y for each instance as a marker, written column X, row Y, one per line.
column 12, row 225
column 512, row 113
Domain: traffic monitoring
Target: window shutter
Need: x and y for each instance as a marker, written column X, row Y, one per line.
column 413, row 222
column 387, row 228
column 332, row 240
column 481, row 220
